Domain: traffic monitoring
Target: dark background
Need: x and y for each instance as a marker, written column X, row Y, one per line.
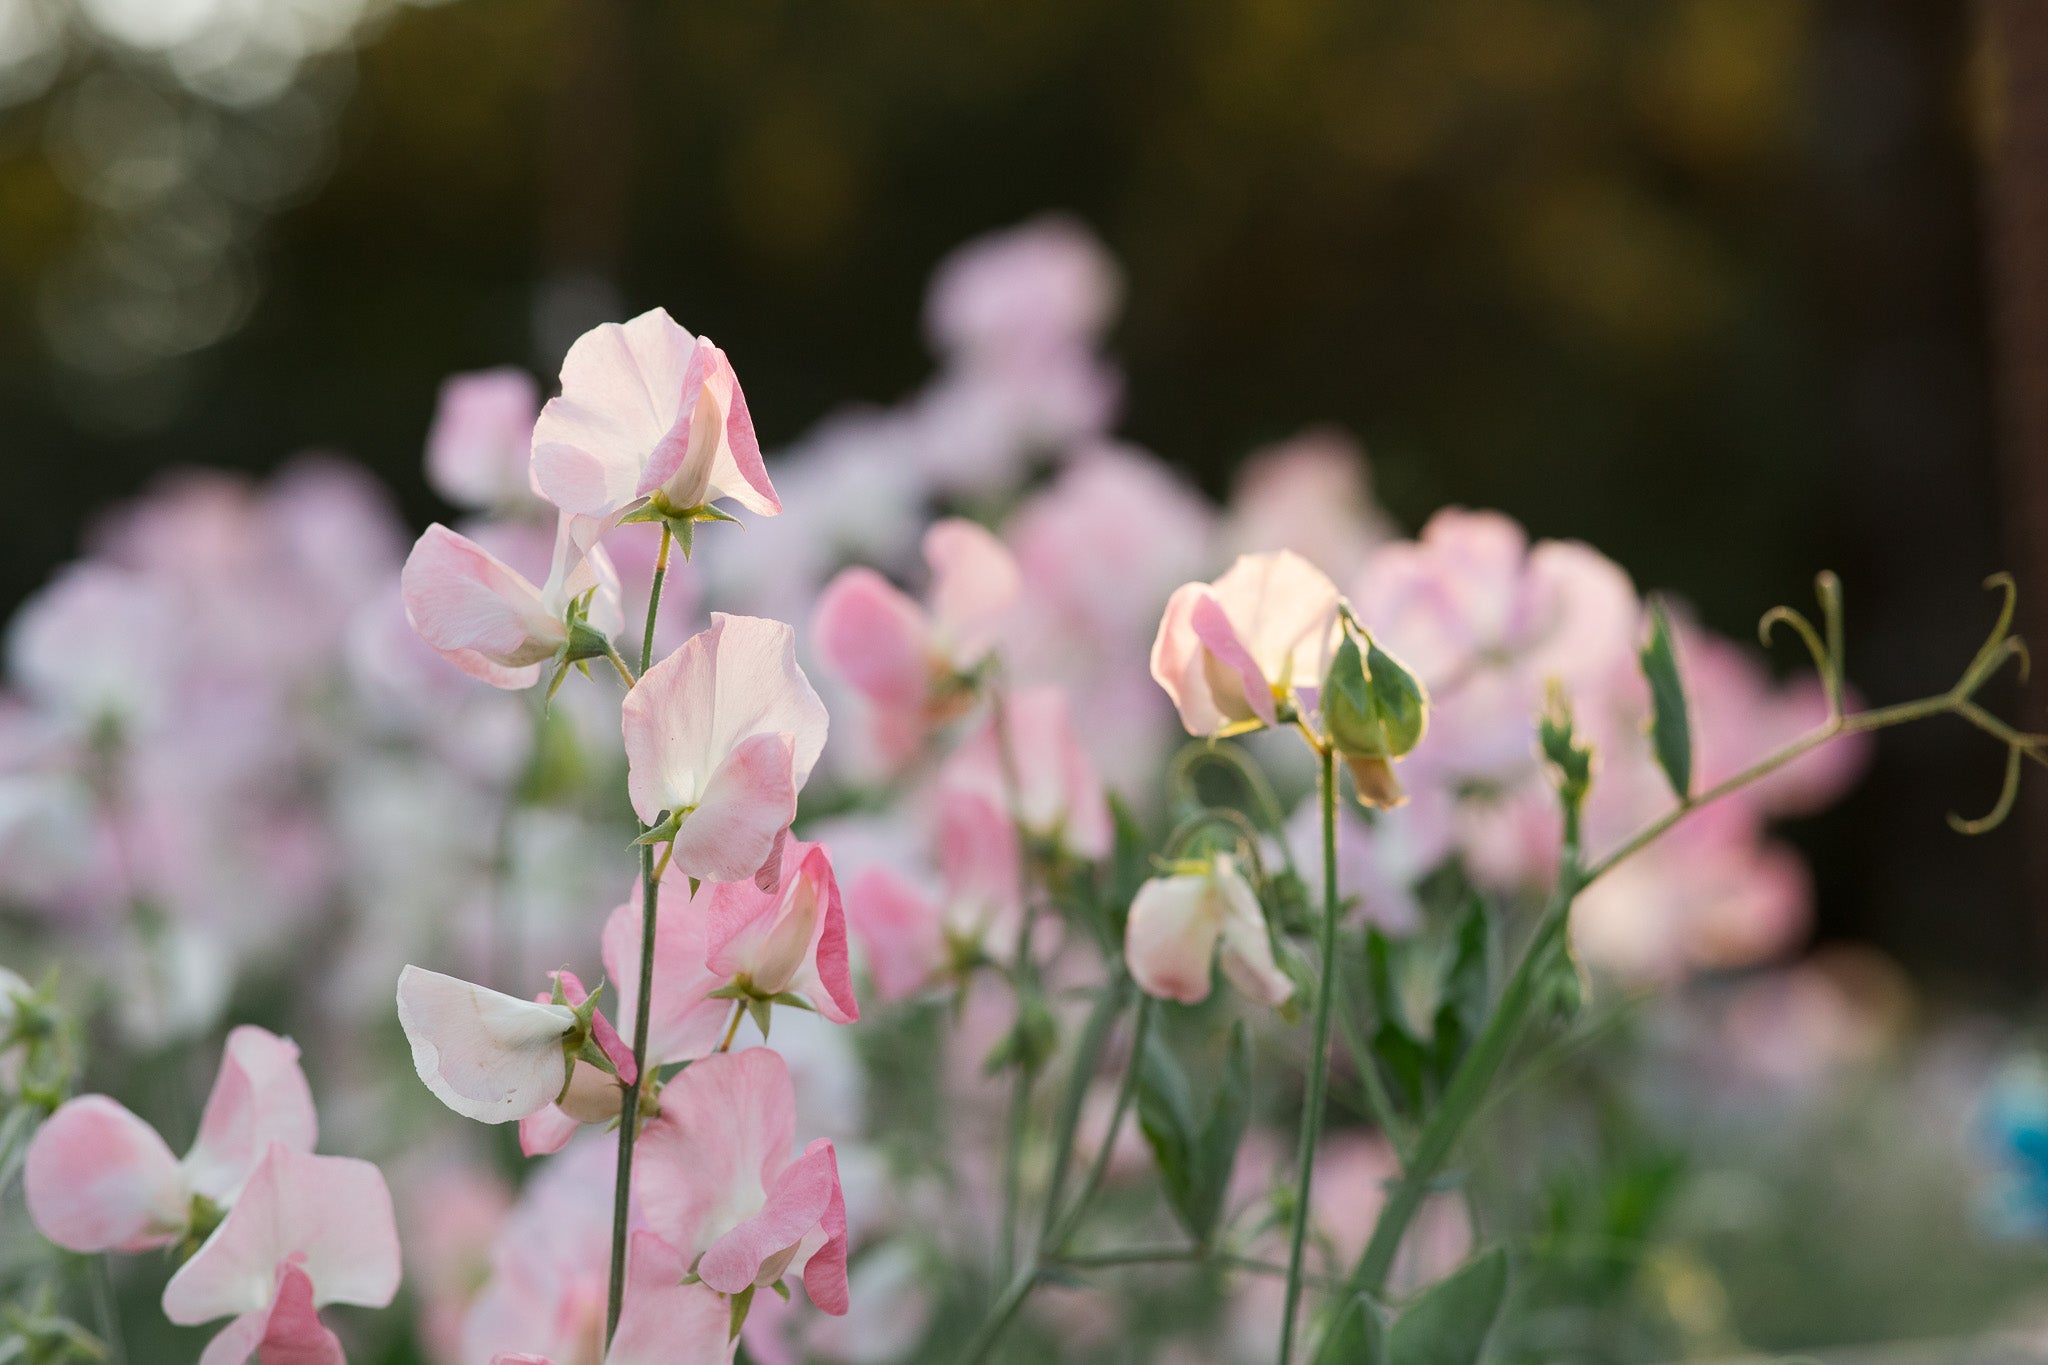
column 1702, row 282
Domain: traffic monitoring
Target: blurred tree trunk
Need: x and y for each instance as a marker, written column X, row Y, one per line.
column 2018, row 223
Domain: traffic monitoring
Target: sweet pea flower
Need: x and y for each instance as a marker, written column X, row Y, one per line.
column 490, row 621
column 1175, row 924
column 911, row 939
column 480, row 447
column 684, row 1022
column 719, row 1185
column 307, row 1231
column 1028, row 743
column 662, row 1321
column 789, row 940
column 649, row 416
column 98, row 1178
column 913, row 664
column 496, row 1058
column 1230, row 652
column 720, row 736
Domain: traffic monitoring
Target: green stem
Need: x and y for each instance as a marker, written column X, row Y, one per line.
column 1318, row 1058
column 629, row 1111
column 14, row 1134
column 1094, row 1037
column 1066, row 1227
column 1378, row 1103
column 107, row 1316
column 1020, row 1104
column 990, row 1334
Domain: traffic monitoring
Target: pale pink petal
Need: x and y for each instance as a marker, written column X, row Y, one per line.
column 98, row 1178
column 725, row 1130
column 901, row 932
column 712, row 451
column 797, row 1202
column 545, row 1131
column 664, row 1321
column 259, row 1097
column 236, row 1342
column 825, row 1267
column 875, row 638
column 732, row 682
column 1170, row 938
column 477, row 612
column 749, row 801
column 1284, row 609
column 974, row 586
column 622, row 386
column 1178, row 663
column 683, row 1024
column 488, row 1056
column 329, row 1214
column 1247, row 957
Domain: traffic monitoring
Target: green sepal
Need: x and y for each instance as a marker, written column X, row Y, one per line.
column 1670, row 720
column 781, row 1290
column 1347, row 704
column 665, row 829
column 761, row 1011
column 742, row 1302
column 1399, row 701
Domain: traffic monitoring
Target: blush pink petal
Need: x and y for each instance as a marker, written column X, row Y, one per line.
column 725, row 1131
column 712, row 451
column 684, row 1023
column 874, row 637
column 711, row 716
column 260, row 1096
column 749, row 801
column 797, row 1202
column 901, row 932
column 1213, row 628
column 793, row 940
column 545, row 1131
column 664, row 1321
column 974, row 585
column 825, row 1265
column 294, row 1334
column 475, row 610
column 330, row 1215
column 486, row 1055
column 98, row 1178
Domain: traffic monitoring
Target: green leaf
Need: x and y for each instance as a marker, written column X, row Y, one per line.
column 1194, row 1160
column 1670, row 724
column 1358, row 1337
column 1406, row 1061
column 1449, row 1322
column 1464, row 992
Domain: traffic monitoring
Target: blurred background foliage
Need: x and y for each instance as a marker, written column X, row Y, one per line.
column 1700, row 282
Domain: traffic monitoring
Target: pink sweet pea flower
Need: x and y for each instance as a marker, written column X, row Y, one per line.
column 719, row 1184
column 1174, row 927
column 911, row 939
column 489, row 620
column 98, row 1178
column 1058, row 796
column 488, row 1056
column 793, row 939
column 720, row 736
column 912, row 663
column 648, row 412
column 901, row 930
column 1227, row 652
column 480, row 447
column 307, row 1231
column 685, row 1023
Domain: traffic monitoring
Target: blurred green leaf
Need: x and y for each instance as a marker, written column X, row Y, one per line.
column 1449, row 1322
column 1670, row 723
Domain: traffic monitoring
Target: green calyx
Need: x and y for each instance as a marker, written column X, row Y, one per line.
column 1373, row 707
column 680, row 521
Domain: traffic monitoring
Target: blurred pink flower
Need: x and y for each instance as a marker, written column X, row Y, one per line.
column 307, row 1231
column 1043, row 286
column 98, row 1178
column 647, row 410
column 912, row 664
column 720, row 737
column 1028, row 743
column 910, row 938
column 1309, row 494
column 480, row 446
column 550, row 1263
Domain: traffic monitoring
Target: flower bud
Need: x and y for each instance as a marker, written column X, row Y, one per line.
column 1374, row 711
